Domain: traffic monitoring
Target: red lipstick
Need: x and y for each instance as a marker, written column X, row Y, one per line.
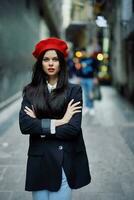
column 51, row 69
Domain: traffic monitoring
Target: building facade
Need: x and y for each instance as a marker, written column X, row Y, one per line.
column 81, row 24
column 22, row 24
column 122, row 46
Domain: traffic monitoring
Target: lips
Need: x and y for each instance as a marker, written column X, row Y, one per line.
column 51, row 69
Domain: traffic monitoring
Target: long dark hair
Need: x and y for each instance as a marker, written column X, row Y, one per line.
column 45, row 104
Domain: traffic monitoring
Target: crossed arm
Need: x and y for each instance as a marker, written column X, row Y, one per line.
column 66, row 128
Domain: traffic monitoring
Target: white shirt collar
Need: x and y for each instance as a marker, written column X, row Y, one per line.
column 51, row 87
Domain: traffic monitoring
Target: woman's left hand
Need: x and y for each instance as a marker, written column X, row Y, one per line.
column 30, row 112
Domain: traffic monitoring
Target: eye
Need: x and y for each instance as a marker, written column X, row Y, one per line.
column 55, row 59
column 46, row 59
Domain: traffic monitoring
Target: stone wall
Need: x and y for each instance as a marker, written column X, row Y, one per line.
column 19, row 31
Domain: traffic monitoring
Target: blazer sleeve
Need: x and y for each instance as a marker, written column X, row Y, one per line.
column 34, row 126
column 72, row 129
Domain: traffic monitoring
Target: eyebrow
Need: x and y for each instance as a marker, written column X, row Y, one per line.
column 52, row 57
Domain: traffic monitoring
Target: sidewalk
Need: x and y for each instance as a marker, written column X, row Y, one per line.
column 109, row 137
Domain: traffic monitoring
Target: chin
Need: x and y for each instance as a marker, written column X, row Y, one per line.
column 51, row 73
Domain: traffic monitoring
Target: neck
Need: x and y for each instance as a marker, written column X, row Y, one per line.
column 52, row 80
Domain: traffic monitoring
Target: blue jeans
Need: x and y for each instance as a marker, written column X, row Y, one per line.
column 64, row 193
column 87, row 86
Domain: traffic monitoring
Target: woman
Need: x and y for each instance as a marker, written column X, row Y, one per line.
column 51, row 115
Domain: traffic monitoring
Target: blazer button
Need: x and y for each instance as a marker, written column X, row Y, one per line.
column 60, row 147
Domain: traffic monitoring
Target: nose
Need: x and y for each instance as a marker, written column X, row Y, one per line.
column 50, row 62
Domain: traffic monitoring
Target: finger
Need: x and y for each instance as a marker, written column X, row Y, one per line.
column 75, row 104
column 28, row 108
column 70, row 102
column 77, row 108
column 29, row 114
column 27, row 111
column 33, row 108
column 77, row 111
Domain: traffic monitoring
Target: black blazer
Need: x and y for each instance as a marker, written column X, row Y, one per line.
column 47, row 155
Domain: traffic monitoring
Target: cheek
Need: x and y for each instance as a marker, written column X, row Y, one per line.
column 58, row 67
column 44, row 67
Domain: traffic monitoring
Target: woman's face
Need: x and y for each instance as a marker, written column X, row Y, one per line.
column 50, row 63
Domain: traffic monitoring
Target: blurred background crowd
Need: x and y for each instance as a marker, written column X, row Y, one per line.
column 99, row 33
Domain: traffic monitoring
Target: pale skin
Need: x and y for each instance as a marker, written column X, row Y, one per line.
column 50, row 60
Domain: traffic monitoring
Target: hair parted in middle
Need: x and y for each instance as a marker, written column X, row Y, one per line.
column 37, row 91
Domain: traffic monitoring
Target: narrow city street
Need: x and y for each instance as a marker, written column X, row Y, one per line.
column 109, row 138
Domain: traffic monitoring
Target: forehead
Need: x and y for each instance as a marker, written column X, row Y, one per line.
column 50, row 53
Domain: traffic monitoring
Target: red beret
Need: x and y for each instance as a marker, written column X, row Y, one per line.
column 50, row 43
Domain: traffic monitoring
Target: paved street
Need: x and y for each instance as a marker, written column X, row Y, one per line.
column 109, row 138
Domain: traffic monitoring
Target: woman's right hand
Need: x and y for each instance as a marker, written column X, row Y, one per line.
column 30, row 112
column 71, row 110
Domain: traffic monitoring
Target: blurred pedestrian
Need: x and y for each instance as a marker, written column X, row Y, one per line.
column 51, row 115
column 88, row 77
column 70, row 66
